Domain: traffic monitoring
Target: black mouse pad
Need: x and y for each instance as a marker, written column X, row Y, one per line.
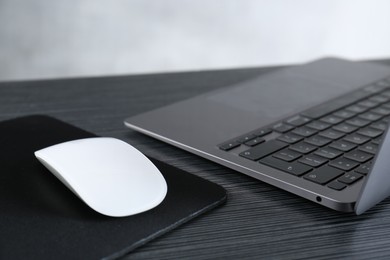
column 42, row 219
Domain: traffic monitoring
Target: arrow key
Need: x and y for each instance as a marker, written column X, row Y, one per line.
column 323, row 175
column 294, row 168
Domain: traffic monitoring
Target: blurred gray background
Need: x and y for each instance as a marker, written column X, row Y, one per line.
column 49, row 39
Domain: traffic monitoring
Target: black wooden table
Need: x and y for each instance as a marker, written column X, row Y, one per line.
column 258, row 221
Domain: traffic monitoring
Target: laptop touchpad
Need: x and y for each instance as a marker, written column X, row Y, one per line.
column 271, row 98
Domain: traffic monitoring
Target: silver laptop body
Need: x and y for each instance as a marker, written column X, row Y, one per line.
column 202, row 124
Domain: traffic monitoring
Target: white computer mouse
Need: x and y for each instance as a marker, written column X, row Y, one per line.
column 109, row 175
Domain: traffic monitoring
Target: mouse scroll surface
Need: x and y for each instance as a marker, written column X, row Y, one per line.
column 109, row 175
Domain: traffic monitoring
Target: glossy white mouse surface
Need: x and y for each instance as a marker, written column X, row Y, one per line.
column 109, row 175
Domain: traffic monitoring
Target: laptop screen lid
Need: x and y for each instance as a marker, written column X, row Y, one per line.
column 377, row 185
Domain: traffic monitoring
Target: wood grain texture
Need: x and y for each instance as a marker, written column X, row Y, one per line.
column 258, row 221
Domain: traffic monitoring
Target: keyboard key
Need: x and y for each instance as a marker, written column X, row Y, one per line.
column 262, row 150
column 381, row 125
column 343, row 145
column 282, row 128
column 294, row 168
column 256, row 141
column 364, row 168
column 318, row 125
column 313, row 160
column 357, row 109
column 368, row 103
column 323, row 175
column 386, row 93
column 350, row 177
column 290, row 138
column 328, row 152
column 245, row 138
column 336, row 185
column 370, row 132
column 304, row 131
column 331, row 119
column 378, row 140
column 303, row 147
column 287, row 155
column 370, row 116
column 381, row 111
column 345, row 128
column 331, row 134
column 356, row 138
column 358, row 156
column 262, row 132
column 379, row 98
column 344, row 114
column 343, row 164
column 386, row 119
column 358, row 122
column 317, row 140
column 369, row 148
column 229, row 145
column 297, row 120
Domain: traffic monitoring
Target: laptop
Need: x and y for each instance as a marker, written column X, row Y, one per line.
column 317, row 130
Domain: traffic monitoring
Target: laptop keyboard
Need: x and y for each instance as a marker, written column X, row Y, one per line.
column 332, row 144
